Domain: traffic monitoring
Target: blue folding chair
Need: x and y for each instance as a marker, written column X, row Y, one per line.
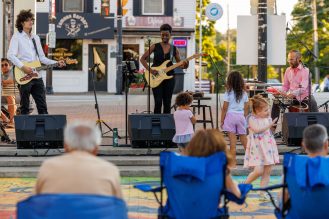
column 65, row 206
column 194, row 187
column 307, row 180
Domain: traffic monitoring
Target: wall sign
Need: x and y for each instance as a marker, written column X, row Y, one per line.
column 180, row 42
column 155, row 22
column 77, row 26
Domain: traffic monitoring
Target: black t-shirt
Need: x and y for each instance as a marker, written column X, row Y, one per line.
column 160, row 57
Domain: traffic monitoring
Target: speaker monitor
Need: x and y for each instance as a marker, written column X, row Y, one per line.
column 293, row 125
column 39, row 131
column 151, row 130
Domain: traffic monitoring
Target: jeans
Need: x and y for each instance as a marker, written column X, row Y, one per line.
column 163, row 94
column 36, row 88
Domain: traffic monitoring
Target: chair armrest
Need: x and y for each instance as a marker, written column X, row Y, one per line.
column 148, row 188
column 277, row 186
column 244, row 189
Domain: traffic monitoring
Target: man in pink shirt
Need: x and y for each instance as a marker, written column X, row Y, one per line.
column 295, row 84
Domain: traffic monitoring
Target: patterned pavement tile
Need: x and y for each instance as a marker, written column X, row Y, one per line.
column 141, row 205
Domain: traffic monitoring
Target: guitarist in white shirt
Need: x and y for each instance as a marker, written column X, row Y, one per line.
column 162, row 52
column 26, row 47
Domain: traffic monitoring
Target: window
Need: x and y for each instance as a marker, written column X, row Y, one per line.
column 153, row 7
column 73, row 5
column 67, row 49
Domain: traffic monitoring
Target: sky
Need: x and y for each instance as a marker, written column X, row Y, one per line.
column 242, row 7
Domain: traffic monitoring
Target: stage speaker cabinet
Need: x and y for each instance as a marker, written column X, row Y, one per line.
column 40, row 131
column 293, row 125
column 151, row 130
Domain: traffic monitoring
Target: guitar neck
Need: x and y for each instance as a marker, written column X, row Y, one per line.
column 170, row 68
column 45, row 67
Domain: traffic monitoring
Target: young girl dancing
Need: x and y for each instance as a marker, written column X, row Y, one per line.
column 234, row 112
column 262, row 152
column 184, row 120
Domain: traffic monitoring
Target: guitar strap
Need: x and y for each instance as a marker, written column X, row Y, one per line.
column 171, row 52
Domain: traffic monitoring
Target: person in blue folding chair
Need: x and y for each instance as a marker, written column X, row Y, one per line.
column 306, row 178
column 76, row 184
column 195, row 183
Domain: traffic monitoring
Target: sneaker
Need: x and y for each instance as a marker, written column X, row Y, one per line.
column 263, row 196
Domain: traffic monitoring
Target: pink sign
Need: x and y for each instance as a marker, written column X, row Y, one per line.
column 148, row 21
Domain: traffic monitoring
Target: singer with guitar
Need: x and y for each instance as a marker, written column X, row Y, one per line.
column 25, row 47
column 163, row 51
column 295, row 84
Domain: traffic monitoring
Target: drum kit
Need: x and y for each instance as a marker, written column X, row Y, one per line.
column 284, row 102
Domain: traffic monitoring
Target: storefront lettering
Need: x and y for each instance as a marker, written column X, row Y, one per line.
column 154, row 21
column 61, row 53
column 73, row 24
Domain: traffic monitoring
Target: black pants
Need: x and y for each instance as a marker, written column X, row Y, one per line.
column 276, row 107
column 326, row 89
column 163, row 93
column 36, row 88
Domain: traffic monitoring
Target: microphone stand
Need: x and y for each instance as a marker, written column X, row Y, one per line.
column 149, row 87
column 217, row 87
column 311, row 54
column 99, row 121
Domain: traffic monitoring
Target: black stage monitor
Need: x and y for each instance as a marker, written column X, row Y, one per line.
column 40, row 131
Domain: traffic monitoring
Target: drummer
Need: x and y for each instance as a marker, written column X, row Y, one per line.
column 295, row 84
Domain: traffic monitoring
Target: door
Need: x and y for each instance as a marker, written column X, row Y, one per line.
column 97, row 55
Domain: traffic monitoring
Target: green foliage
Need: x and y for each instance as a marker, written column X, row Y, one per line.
column 208, row 34
column 303, row 31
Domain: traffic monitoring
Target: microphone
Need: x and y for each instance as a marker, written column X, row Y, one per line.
column 148, row 38
column 94, row 66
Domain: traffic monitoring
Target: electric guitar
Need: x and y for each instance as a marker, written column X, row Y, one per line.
column 155, row 80
column 22, row 78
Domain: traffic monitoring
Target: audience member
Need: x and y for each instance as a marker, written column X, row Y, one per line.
column 79, row 170
column 207, row 142
column 315, row 143
column 8, row 90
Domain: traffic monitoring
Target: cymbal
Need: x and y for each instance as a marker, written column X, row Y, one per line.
column 255, row 81
column 262, row 84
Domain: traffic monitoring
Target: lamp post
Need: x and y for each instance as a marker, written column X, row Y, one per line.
column 315, row 41
column 262, row 40
column 51, row 44
column 119, row 48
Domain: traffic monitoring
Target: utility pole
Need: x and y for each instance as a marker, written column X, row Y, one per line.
column 119, row 48
column 315, row 41
column 228, row 40
column 200, row 46
column 262, row 40
column 51, row 44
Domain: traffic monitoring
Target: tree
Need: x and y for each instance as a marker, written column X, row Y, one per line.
column 302, row 30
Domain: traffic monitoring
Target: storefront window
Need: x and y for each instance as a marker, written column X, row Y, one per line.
column 153, row 7
column 68, row 49
column 73, row 5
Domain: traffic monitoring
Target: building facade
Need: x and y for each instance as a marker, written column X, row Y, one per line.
column 83, row 34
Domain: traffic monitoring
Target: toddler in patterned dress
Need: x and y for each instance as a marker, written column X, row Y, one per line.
column 262, row 152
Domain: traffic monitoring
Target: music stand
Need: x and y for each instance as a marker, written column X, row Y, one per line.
column 99, row 121
column 128, row 68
